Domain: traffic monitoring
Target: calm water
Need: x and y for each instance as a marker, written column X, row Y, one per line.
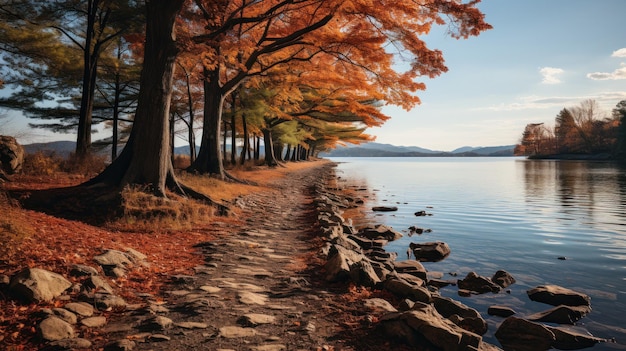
column 512, row 214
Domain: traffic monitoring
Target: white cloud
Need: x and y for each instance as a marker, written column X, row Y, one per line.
column 550, row 75
column 618, row 74
column 607, row 100
column 619, row 53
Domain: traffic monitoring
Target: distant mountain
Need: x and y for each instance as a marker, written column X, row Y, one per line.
column 387, row 150
column 61, row 148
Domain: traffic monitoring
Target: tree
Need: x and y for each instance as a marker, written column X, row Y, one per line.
column 88, row 25
column 146, row 157
column 250, row 38
column 619, row 114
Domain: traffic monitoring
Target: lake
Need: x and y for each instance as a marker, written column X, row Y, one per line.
column 522, row 216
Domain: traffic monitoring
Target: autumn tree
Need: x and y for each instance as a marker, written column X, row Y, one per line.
column 619, row 114
column 248, row 38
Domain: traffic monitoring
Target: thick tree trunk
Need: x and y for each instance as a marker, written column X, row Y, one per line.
column 209, row 158
column 146, row 158
column 257, row 149
column 270, row 160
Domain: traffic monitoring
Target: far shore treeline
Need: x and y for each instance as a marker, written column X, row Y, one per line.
column 580, row 132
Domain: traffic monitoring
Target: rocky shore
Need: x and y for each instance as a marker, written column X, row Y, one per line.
column 293, row 274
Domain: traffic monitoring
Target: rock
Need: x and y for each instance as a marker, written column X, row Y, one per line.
column 38, row 285
column 191, row 325
column 54, row 328
column 380, row 231
column 362, row 273
column 339, row 262
column 135, row 256
column 503, row 279
column 11, row 155
column 156, row 323
column 460, row 314
column 251, row 298
column 411, row 267
column 384, row 208
column 561, row 314
column 378, row 305
column 81, row 270
column 556, row 295
column 270, row 347
column 522, row 335
column 367, row 244
column 98, row 284
column 232, row 332
column 571, row 340
column 430, row 251
column 94, row 322
column 424, row 323
column 105, row 302
column 158, row 338
column 80, row 308
column 120, row 345
column 479, row 284
column 254, row 319
column 404, row 289
column 500, row 311
column 113, row 258
column 69, row 344
column 65, row 315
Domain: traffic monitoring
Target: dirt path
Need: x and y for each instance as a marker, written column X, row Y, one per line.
column 258, row 287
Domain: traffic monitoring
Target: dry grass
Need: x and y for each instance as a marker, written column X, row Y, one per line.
column 15, row 227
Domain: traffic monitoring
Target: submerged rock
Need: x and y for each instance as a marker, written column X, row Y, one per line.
column 522, row 335
column 380, row 231
column 561, row 314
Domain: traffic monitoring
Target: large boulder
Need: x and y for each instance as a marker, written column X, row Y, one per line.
column 54, row 328
column 460, row 314
column 523, row 335
column 556, row 295
column 561, row 314
column 430, row 252
column 11, row 155
column 405, row 289
column 423, row 322
column 38, row 285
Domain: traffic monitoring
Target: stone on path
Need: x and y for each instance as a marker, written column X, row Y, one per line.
column 38, row 285
column 54, row 328
column 94, row 322
column 63, row 314
column 70, row 344
column 254, row 319
column 120, row 345
column 231, row 332
column 81, row 308
column 251, row 298
column 156, row 323
column 379, row 305
column 191, row 325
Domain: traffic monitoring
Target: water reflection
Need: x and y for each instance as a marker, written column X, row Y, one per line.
column 592, row 193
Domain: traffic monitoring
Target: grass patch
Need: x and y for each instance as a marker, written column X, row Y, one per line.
column 15, row 227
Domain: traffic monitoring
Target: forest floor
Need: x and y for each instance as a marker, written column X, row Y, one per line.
column 249, row 281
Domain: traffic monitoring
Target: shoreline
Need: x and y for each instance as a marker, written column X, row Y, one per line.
column 263, row 282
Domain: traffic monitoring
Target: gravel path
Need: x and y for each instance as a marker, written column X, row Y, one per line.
column 257, row 289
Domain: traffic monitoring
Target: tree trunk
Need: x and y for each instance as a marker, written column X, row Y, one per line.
column 146, row 158
column 288, row 153
column 209, row 158
column 257, row 149
column 246, row 140
column 116, row 112
column 270, row 160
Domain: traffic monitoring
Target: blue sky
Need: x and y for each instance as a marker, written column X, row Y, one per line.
column 540, row 57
